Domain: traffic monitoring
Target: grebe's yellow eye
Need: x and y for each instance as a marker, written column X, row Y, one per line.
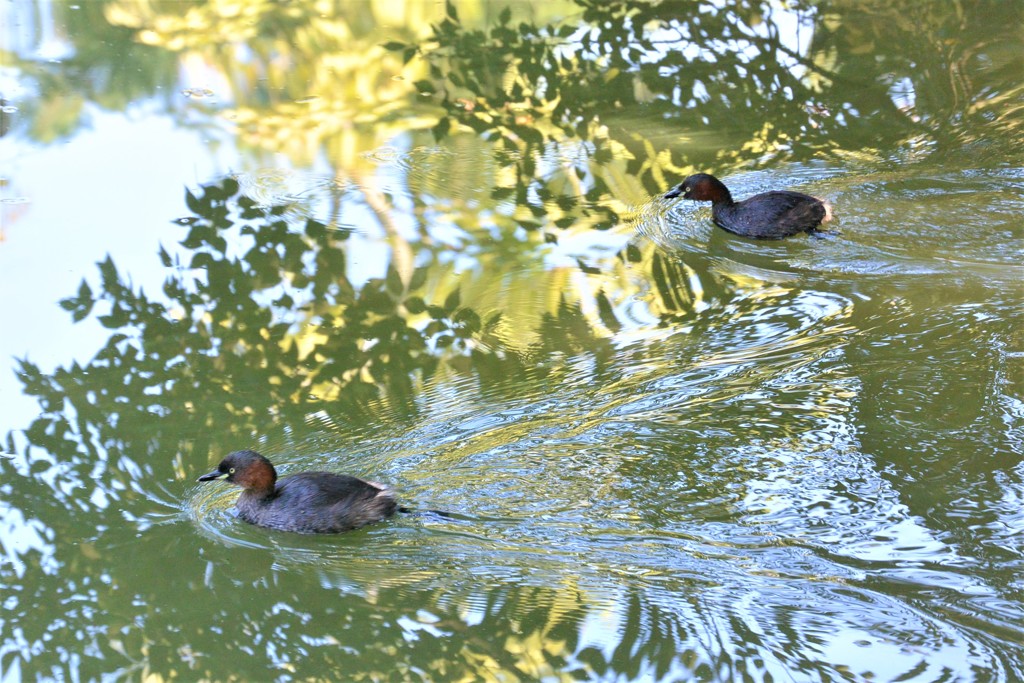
column 231, row 471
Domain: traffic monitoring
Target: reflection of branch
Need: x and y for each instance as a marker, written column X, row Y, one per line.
column 839, row 79
column 771, row 41
column 400, row 248
column 810, row 65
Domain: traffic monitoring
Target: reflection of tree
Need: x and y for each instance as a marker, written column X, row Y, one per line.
column 260, row 323
column 577, row 109
column 105, row 64
column 874, row 75
column 235, row 328
column 897, row 63
column 276, row 625
column 530, row 87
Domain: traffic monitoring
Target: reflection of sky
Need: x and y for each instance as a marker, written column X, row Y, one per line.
column 29, row 31
column 20, row 536
column 113, row 188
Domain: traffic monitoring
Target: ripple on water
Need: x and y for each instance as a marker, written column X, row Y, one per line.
column 916, row 221
column 777, row 573
column 212, row 510
column 429, row 171
column 713, row 494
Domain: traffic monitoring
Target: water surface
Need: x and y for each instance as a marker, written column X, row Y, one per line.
column 425, row 245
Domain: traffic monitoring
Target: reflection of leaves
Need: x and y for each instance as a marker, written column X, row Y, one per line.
column 538, row 86
column 513, row 632
column 259, row 325
column 262, row 327
column 79, row 306
column 536, row 89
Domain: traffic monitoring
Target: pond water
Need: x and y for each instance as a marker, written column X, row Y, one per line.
column 424, row 243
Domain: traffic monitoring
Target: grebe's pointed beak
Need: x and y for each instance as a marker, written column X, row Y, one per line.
column 216, row 474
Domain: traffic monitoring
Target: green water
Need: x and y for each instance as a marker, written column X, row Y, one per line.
column 425, row 245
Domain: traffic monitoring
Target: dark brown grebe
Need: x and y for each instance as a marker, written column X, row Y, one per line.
column 772, row 215
column 308, row 502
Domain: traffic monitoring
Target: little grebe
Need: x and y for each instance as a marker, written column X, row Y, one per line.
column 308, row 502
column 772, row 215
